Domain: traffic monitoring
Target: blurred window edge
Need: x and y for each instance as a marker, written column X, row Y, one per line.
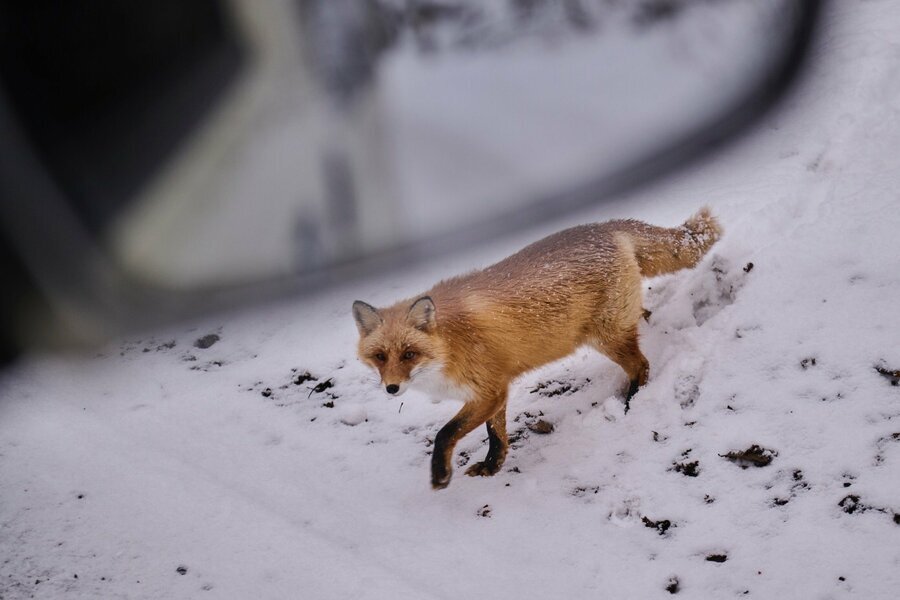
column 61, row 290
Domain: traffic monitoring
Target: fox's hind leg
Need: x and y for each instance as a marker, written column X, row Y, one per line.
column 620, row 311
column 625, row 352
column 498, row 446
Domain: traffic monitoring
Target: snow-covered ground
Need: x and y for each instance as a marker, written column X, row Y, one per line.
column 159, row 469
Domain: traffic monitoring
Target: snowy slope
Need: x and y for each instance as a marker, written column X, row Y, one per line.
column 162, row 470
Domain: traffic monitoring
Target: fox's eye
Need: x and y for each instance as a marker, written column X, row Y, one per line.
column 380, row 357
column 409, row 355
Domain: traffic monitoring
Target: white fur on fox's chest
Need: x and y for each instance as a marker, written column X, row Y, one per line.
column 432, row 381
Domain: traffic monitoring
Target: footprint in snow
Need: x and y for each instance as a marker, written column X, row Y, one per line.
column 718, row 289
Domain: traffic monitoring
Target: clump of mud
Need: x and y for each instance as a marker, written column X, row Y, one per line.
column 755, row 456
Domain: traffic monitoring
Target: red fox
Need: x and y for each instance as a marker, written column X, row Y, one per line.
column 471, row 335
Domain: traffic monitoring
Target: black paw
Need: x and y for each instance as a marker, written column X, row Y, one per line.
column 483, row 469
column 440, row 474
column 633, row 388
column 440, row 482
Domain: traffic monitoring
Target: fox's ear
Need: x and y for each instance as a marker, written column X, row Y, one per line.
column 421, row 314
column 367, row 318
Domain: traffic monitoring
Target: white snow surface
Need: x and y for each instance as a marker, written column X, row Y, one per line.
column 157, row 469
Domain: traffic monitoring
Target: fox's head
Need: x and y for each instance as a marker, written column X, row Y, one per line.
column 399, row 342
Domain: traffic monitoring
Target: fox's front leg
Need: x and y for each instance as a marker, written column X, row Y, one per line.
column 498, row 446
column 470, row 416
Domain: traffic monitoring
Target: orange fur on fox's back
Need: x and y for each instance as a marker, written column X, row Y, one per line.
column 580, row 286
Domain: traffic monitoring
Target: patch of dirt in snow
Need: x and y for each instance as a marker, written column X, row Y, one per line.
column 555, row 387
column 892, row 375
column 792, row 483
column 299, row 388
column 755, row 456
column 206, row 341
column 688, row 468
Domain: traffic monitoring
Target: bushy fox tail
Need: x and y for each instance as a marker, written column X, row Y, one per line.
column 663, row 250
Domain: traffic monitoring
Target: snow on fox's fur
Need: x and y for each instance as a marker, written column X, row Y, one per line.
column 473, row 334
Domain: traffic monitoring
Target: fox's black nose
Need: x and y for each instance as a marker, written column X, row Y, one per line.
column 392, row 388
